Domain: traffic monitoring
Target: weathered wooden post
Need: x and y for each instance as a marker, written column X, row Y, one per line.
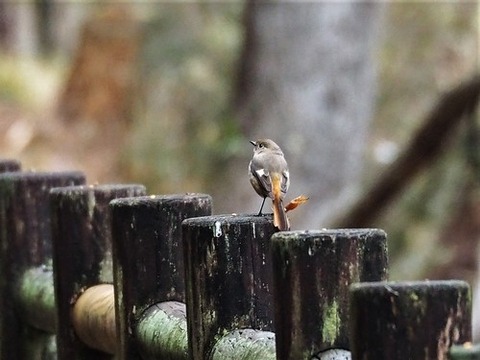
column 312, row 274
column 7, row 165
column 25, row 243
column 149, row 273
column 83, row 258
column 409, row 320
column 228, row 281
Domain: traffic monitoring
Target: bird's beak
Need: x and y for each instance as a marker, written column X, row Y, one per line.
column 253, row 143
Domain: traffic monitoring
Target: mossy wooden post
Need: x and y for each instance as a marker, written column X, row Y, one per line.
column 409, row 320
column 25, row 242
column 312, row 274
column 228, row 277
column 82, row 254
column 7, row 165
column 147, row 231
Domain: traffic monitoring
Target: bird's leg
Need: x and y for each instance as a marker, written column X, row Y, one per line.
column 261, row 207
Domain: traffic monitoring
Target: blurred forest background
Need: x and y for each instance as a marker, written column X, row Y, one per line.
column 168, row 94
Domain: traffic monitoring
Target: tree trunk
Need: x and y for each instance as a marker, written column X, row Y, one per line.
column 102, row 78
column 306, row 80
column 42, row 26
column 18, row 34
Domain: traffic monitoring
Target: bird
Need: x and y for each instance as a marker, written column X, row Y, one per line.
column 269, row 176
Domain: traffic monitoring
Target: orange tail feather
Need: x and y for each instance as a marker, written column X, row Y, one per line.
column 280, row 220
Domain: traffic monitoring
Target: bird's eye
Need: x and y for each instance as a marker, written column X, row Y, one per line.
column 261, row 146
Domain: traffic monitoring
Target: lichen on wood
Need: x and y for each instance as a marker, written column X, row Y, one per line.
column 312, row 274
column 245, row 344
column 409, row 320
column 36, row 298
column 161, row 332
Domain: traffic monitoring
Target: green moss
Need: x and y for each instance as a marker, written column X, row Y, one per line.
column 36, row 298
column 331, row 323
column 160, row 334
column 245, row 344
column 418, row 305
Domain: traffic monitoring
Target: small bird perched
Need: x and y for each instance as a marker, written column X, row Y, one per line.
column 268, row 172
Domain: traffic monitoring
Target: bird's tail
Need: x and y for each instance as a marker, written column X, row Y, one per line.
column 280, row 220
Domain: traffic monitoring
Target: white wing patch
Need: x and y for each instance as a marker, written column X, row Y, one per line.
column 261, row 172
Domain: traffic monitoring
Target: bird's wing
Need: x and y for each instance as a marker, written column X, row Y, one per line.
column 285, row 181
column 262, row 176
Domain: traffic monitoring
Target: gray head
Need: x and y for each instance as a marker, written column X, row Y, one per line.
column 265, row 145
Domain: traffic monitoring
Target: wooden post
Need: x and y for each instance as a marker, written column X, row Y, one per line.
column 312, row 274
column 25, row 242
column 409, row 320
column 228, row 277
column 9, row 165
column 82, row 253
column 147, row 231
